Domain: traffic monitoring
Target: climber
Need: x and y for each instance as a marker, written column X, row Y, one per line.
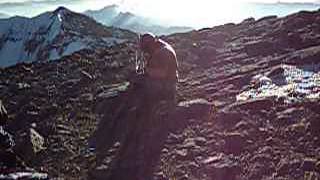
column 154, row 115
column 161, row 67
column 142, row 116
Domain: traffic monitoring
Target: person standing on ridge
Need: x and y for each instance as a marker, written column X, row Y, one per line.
column 156, row 89
column 141, row 122
column 161, row 67
column 161, row 80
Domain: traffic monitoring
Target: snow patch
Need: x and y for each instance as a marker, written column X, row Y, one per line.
column 299, row 84
column 59, row 17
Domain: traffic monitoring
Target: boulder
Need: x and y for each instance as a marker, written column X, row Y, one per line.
column 276, row 71
column 37, row 141
column 112, row 90
column 256, row 104
column 29, row 145
column 212, row 159
column 194, row 109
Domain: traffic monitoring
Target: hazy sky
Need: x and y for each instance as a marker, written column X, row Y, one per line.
column 197, row 13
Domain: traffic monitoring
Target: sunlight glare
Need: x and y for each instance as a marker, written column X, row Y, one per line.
column 200, row 12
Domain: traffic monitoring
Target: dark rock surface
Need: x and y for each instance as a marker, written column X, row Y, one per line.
column 256, row 137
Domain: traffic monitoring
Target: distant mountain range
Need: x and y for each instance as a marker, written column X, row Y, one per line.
column 112, row 16
column 280, row 9
column 136, row 23
column 52, row 35
column 4, row 16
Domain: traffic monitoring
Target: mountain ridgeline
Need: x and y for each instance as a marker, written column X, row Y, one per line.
column 248, row 98
column 52, row 35
column 112, row 16
column 4, row 16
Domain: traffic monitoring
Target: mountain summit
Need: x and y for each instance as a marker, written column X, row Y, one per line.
column 52, row 35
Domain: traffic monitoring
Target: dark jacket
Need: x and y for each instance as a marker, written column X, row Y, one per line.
column 162, row 63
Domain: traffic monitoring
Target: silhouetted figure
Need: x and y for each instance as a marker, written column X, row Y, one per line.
column 141, row 122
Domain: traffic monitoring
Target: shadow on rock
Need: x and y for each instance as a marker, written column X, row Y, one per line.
column 131, row 139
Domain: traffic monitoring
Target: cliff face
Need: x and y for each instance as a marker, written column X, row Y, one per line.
column 261, row 121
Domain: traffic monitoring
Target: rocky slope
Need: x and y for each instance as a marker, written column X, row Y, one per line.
column 52, row 35
column 262, row 77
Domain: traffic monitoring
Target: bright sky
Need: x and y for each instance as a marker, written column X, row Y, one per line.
column 204, row 12
column 197, row 13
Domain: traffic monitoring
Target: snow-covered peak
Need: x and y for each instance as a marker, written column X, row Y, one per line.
column 61, row 12
column 51, row 35
column 61, row 9
column 21, row 27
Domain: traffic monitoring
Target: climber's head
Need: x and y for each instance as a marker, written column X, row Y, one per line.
column 147, row 42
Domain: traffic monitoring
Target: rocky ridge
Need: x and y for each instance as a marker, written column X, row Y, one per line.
column 256, row 137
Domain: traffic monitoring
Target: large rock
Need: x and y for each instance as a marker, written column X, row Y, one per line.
column 29, row 145
column 254, row 105
column 112, row 90
column 194, row 109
